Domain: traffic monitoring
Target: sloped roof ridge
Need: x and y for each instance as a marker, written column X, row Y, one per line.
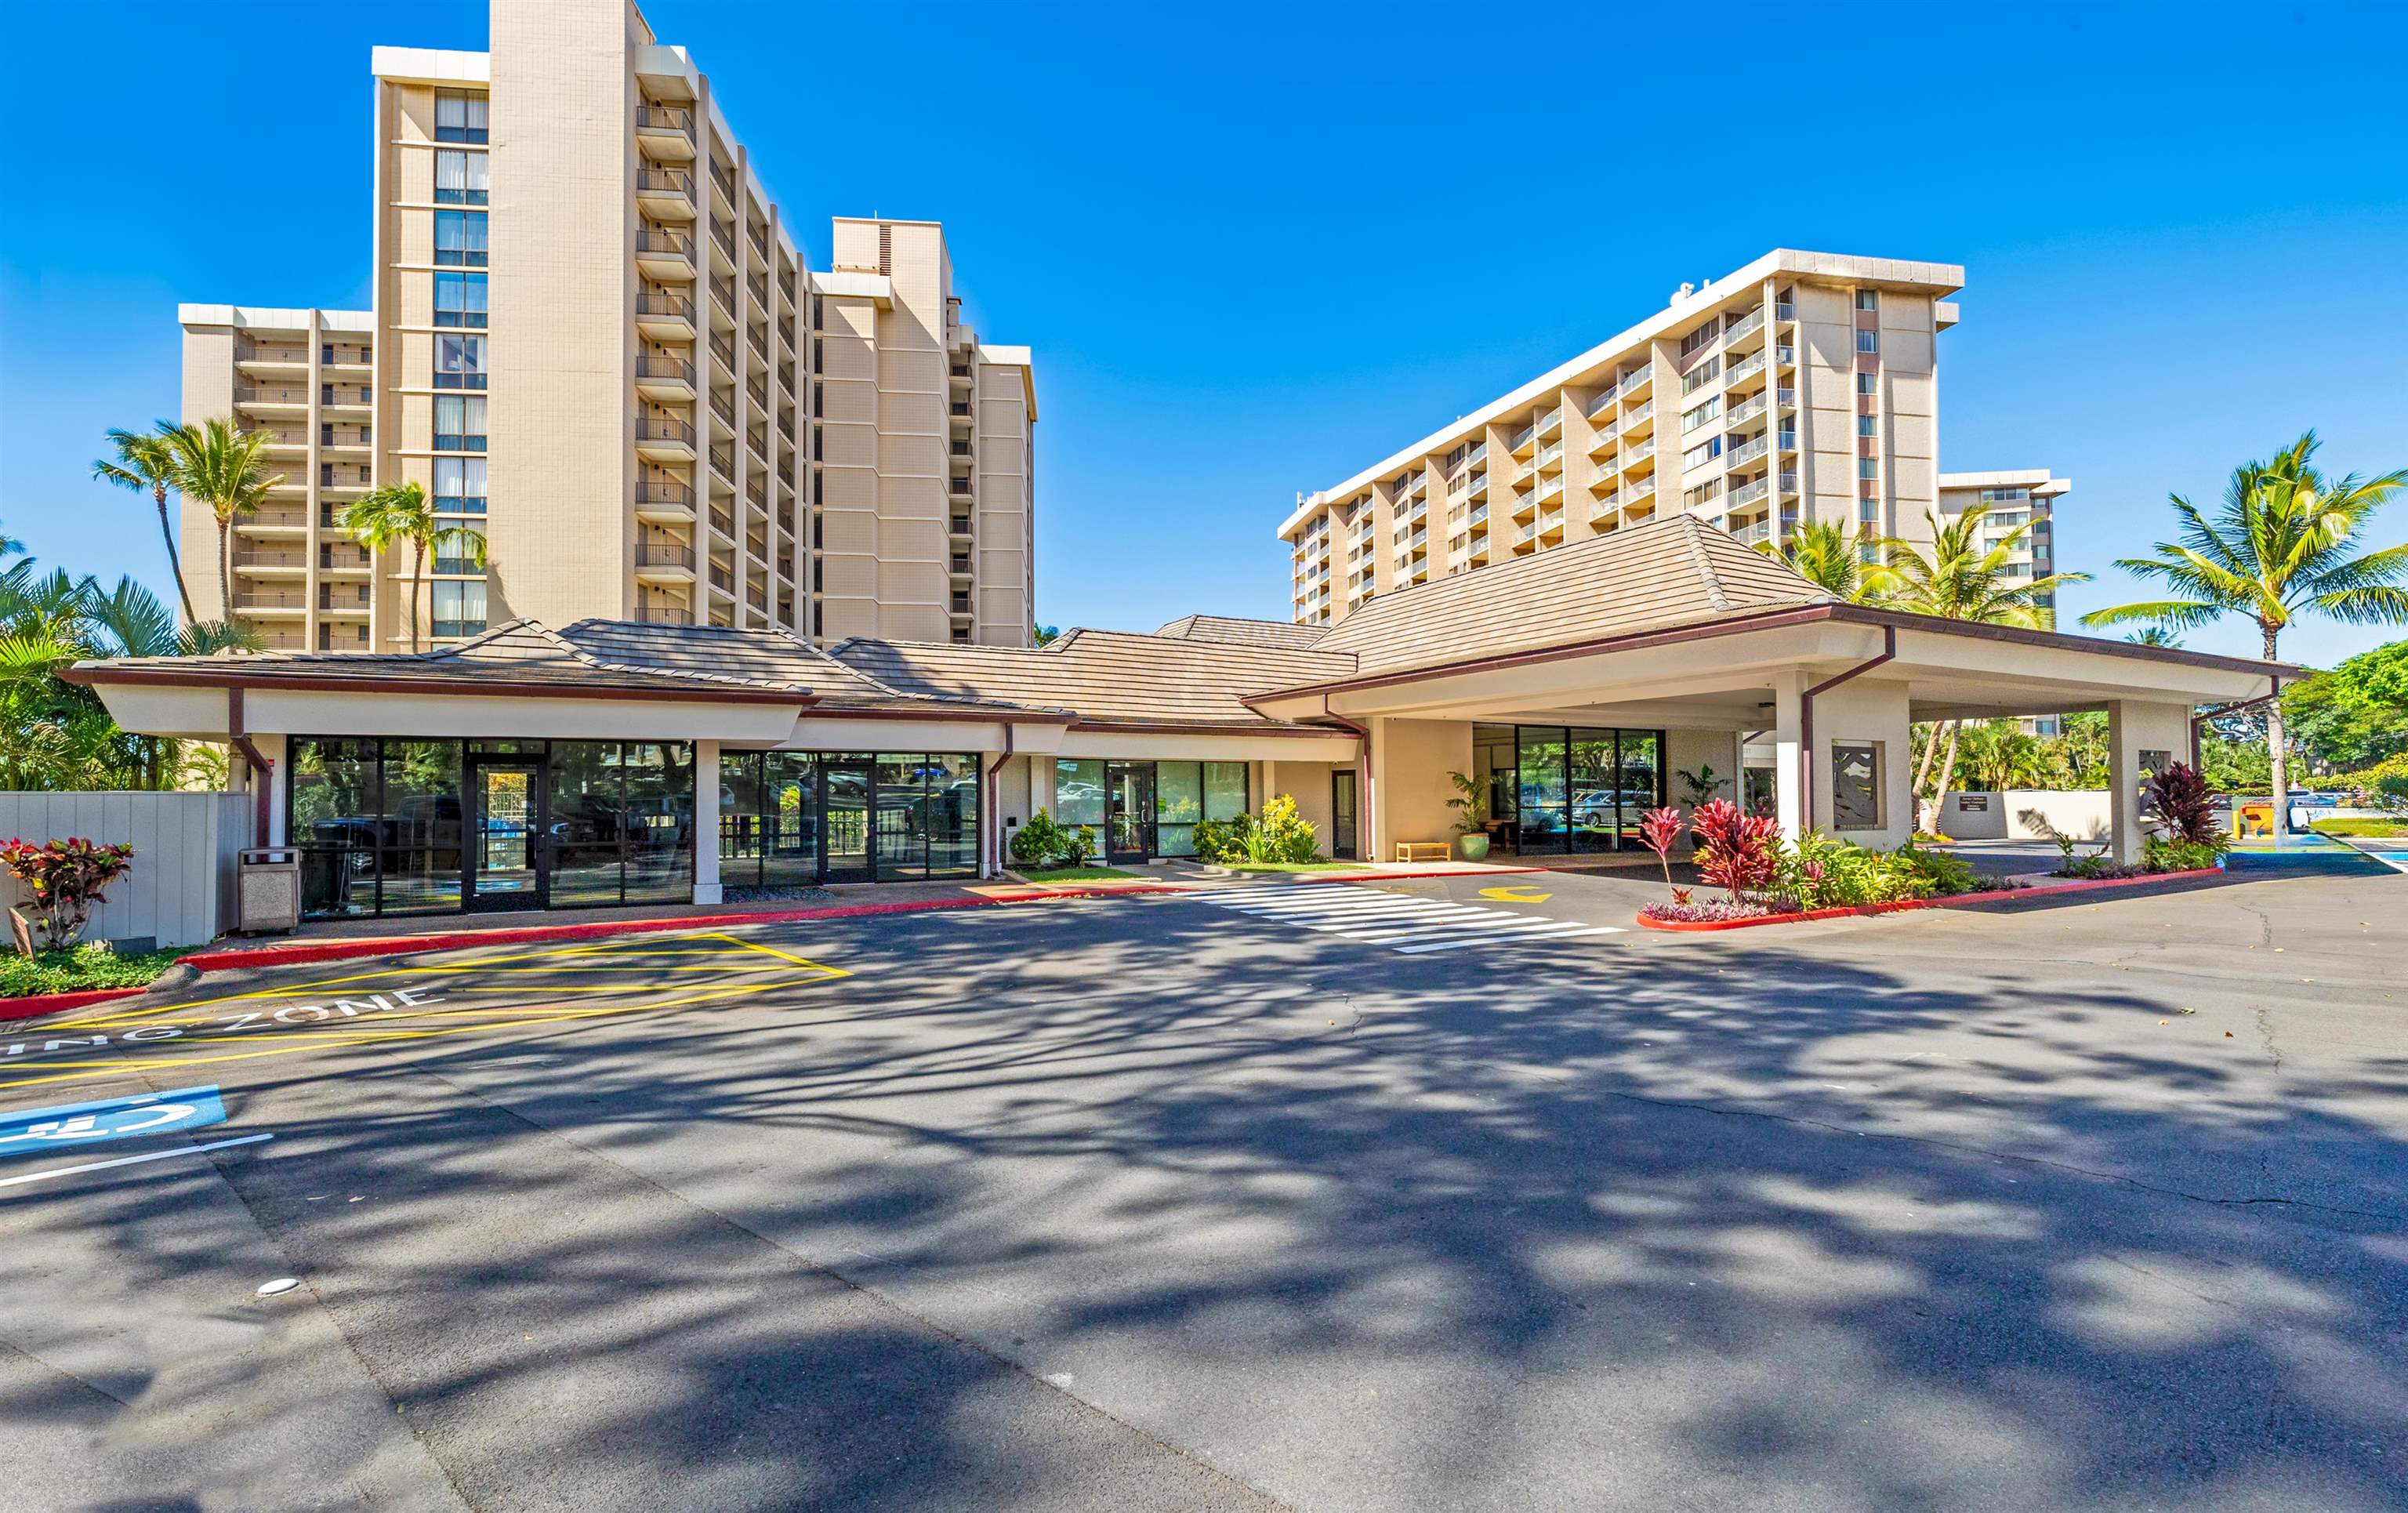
column 582, row 654
column 1716, row 594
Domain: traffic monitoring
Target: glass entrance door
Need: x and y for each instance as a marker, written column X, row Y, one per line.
column 1128, row 789
column 506, row 860
column 1341, row 816
column 848, row 792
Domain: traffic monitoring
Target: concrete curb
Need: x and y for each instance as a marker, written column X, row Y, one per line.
column 1902, row 905
column 459, row 939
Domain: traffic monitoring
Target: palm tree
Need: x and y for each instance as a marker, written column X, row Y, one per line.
column 221, row 467
column 2162, row 636
column 1043, row 635
column 146, row 463
column 1825, row 554
column 1960, row 579
column 385, row 518
column 2284, row 542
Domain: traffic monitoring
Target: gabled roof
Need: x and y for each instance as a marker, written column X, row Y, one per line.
column 1106, row 677
column 1672, row 572
column 1237, row 631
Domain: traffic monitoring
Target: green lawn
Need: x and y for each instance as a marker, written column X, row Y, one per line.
column 87, row 966
column 1071, row 874
column 2363, row 827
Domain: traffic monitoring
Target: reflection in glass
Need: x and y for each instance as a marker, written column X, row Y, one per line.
column 1079, row 797
column 1641, row 783
column 587, row 817
column 1590, row 755
column 657, row 831
column 902, row 818
column 1542, row 788
column 335, row 804
column 1178, row 804
column 847, row 821
column 790, row 833
column 951, row 814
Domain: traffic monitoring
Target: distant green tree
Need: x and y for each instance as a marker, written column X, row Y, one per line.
column 2353, row 715
column 1826, row 556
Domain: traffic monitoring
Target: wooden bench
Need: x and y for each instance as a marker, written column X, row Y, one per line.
column 1424, row 851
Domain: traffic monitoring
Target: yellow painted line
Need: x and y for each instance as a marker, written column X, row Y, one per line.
column 1515, row 894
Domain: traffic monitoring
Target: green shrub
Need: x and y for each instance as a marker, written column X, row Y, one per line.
column 1046, row 843
column 1277, row 834
column 2162, row 854
column 1941, row 874
column 1219, row 841
column 87, row 966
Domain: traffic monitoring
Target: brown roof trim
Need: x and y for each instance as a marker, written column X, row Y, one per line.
column 465, row 688
column 1778, row 619
column 1272, row 728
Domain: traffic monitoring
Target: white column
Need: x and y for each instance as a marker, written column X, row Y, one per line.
column 706, row 823
column 2138, row 735
column 1789, row 801
column 1270, row 781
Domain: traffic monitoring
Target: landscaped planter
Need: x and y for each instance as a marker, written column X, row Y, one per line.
column 1901, row 906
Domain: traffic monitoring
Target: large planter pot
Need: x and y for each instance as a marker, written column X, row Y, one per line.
column 1473, row 845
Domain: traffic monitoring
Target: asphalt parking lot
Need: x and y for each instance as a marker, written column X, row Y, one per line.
column 1240, row 1202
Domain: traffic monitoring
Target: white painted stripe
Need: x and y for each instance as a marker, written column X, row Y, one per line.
column 1294, row 910
column 129, row 1161
column 1360, row 911
column 1325, row 900
column 1499, row 926
column 1390, row 926
column 1573, row 931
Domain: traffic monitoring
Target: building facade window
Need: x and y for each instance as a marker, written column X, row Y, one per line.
column 460, row 485
column 1868, row 341
column 459, row 362
column 459, row 423
column 1868, row 299
column 460, row 299
column 1856, row 786
column 1692, row 419
column 459, row 239
column 458, row 608
column 459, row 116
column 462, row 177
column 1867, row 426
column 1867, row 382
column 1582, row 789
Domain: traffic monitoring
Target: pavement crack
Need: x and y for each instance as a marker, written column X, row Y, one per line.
column 57, row 1370
column 2266, row 1034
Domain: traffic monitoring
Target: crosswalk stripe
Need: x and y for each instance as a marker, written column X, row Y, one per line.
column 1349, row 899
column 1571, row 928
column 1351, row 911
column 1499, row 925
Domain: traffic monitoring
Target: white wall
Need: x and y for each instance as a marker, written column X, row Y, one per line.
column 2026, row 815
column 180, row 890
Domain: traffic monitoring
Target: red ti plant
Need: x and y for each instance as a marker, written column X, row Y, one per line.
column 1659, row 828
column 2178, row 796
column 1738, row 853
column 65, row 879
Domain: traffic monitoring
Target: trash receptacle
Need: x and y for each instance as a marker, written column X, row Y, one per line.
column 2250, row 819
column 269, row 890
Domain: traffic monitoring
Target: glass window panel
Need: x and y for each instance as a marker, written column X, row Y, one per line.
column 588, row 821
column 1224, row 789
column 459, row 361
column 1177, row 792
column 1640, row 785
column 1174, row 839
column 901, row 821
column 459, row 239
column 659, row 825
column 460, row 485
column 333, row 820
column 951, row 811
column 741, row 836
column 461, row 178
column 790, row 821
column 1542, row 788
column 1590, row 756
column 1078, row 793
column 422, row 826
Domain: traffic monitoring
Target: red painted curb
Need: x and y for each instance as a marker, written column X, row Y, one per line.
column 1898, row 905
column 34, row 1005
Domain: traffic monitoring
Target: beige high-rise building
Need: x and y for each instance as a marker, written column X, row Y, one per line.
column 2012, row 500
column 595, row 344
column 1802, row 387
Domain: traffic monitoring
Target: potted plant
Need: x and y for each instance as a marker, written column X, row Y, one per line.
column 1470, row 805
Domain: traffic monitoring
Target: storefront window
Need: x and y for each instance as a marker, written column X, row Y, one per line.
column 659, row 828
column 336, row 800
column 1594, row 814
column 1079, row 797
column 1178, row 804
column 421, row 835
column 1541, row 790
column 1583, row 789
column 789, row 841
column 950, row 813
column 587, row 819
column 1641, row 783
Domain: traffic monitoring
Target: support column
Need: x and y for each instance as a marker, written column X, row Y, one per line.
column 706, row 823
column 1791, row 805
column 2141, row 738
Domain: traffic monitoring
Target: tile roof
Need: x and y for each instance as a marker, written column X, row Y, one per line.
column 1237, row 631
column 1105, row 676
column 1674, row 571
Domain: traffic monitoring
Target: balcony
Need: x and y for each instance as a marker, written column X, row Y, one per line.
column 1552, row 422
column 723, row 461
column 1641, row 457
column 1743, row 332
column 1552, row 489
column 725, row 178
column 1742, row 367
column 1637, row 492
column 723, row 347
column 272, row 522
column 665, row 254
column 664, row 133
column 663, row 503
column 278, row 602
column 1638, row 381
column 1602, row 406
column 1742, row 456
column 1747, row 493
column 759, row 284
column 285, row 399
column 668, row 381
column 1640, row 422
column 1786, row 399
column 666, row 193
column 723, row 408
column 960, row 565
column 1741, row 413
column 1523, row 438
column 758, row 387
column 664, row 440
column 961, row 525
column 665, row 562
column 273, row 362
column 664, row 316
column 1552, row 451
column 255, row 564
column 722, row 521
column 666, row 614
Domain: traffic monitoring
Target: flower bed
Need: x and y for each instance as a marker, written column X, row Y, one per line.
column 2014, row 890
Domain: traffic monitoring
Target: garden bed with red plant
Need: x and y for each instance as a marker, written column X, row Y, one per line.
column 1738, row 920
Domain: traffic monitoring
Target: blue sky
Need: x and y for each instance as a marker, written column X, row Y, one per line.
column 1258, row 247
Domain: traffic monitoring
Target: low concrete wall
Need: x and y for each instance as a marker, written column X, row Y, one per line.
column 2026, row 815
column 180, row 890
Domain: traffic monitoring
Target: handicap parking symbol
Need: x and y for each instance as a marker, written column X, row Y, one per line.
column 28, row 1130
